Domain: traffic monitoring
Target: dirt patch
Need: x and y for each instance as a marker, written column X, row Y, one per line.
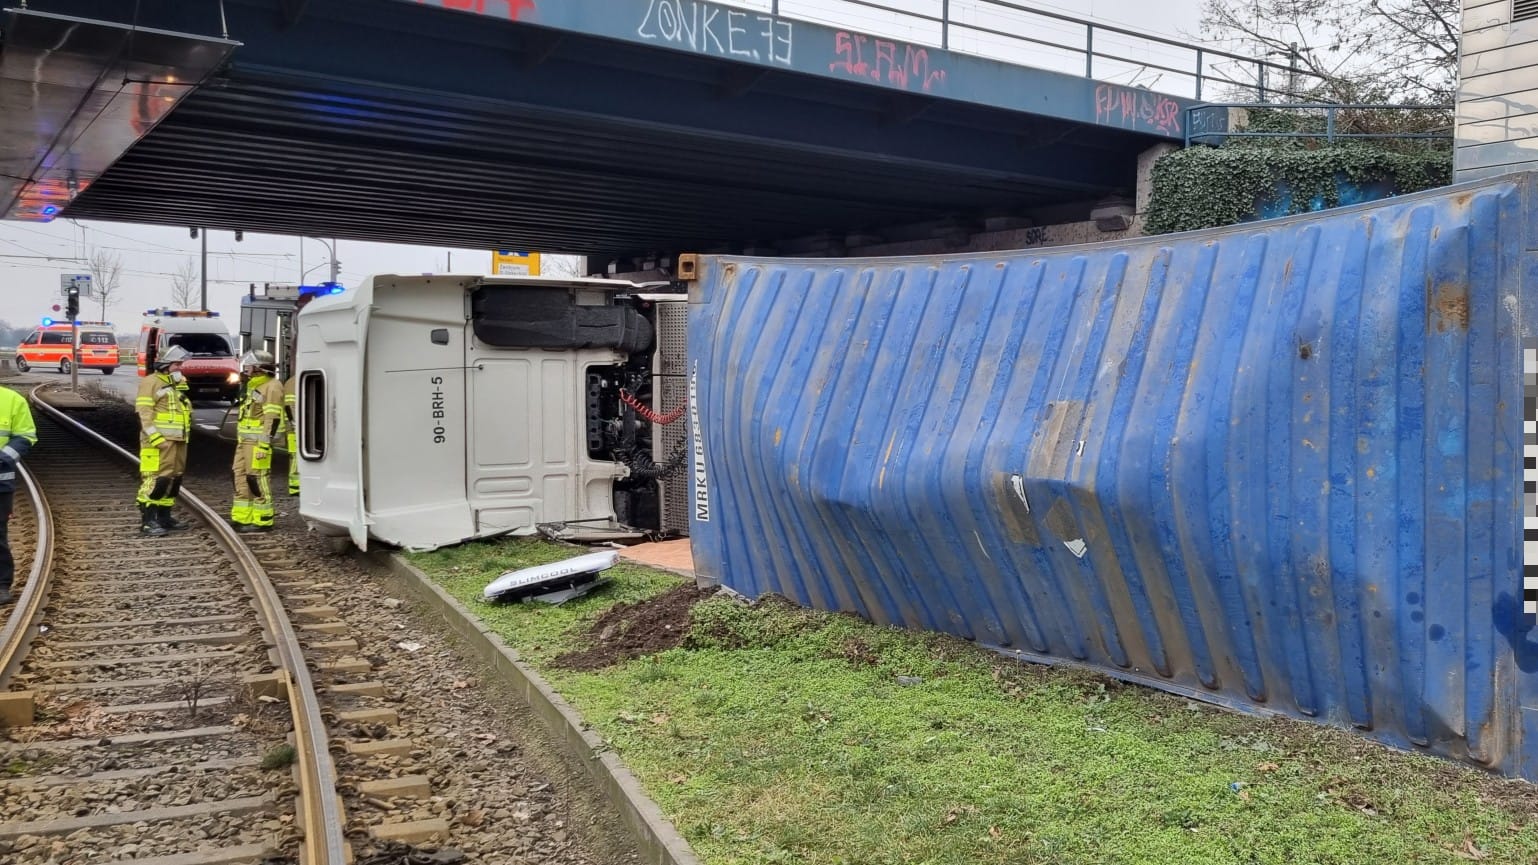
column 628, row 631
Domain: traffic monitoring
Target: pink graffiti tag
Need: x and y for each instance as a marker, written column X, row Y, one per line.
column 512, row 9
column 1137, row 109
column 899, row 64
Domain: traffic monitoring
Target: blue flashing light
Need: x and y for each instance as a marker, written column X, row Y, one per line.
column 324, row 288
column 50, row 210
column 47, row 322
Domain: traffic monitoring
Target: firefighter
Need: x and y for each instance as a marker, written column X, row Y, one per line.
column 290, row 412
column 20, row 434
column 260, row 420
column 165, row 424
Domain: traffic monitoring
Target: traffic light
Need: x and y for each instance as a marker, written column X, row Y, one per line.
column 72, row 303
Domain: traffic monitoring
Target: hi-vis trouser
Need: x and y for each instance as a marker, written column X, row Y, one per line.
column 160, row 472
column 259, row 421
column 166, row 423
column 290, row 412
column 293, row 464
column 253, row 485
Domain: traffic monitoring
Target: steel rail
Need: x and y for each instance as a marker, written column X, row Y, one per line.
column 321, row 809
column 20, row 626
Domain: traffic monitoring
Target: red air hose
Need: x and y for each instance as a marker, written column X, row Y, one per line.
column 645, row 412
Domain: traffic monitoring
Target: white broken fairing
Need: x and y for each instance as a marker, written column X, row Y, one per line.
column 562, row 580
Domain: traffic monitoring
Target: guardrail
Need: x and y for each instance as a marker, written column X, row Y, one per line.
column 1203, row 123
column 1058, row 41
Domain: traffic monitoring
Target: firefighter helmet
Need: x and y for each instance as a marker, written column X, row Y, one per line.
column 257, row 360
column 174, row 354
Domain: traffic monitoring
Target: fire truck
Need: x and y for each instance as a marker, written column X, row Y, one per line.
column 267, row 319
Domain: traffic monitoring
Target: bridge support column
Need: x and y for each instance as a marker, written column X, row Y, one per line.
column 1145, row 164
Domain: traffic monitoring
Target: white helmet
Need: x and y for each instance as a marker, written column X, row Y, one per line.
column 257, row 359
column 174, row 354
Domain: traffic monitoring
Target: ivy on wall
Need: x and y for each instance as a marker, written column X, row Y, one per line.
column 1205, row 187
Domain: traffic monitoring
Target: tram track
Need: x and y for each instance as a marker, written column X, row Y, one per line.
column 160, row 685
column 434, row 760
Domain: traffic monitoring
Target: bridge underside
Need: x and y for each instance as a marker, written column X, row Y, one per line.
column 397, row 122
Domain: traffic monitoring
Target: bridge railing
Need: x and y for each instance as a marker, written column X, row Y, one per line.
column 1214, row 123
column 1041, row 38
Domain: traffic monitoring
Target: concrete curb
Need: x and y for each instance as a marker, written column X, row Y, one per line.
column 658, row 840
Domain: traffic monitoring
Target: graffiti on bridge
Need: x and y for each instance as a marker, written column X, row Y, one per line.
column 718, row 30
column 512, row 10
column 898, row 64
column 1136, row 108
column 1206, row 122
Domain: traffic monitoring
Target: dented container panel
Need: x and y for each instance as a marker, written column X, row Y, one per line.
column 1277, row 466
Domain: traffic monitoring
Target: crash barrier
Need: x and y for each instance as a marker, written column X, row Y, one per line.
column 1276, row 466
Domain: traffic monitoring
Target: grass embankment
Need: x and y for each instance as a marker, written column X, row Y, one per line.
column 784, row 735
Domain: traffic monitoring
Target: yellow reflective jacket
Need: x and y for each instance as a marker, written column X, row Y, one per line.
column 17, row 431
column 260, row 416
column 163, row 408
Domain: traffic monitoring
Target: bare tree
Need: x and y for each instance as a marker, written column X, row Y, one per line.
column 184, row 286
column 106, row 277
column 1349, row 50
column 563, row 266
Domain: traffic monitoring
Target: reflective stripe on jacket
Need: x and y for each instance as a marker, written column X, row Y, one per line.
column 261, row 410
column 18, row 432
column 163, row 408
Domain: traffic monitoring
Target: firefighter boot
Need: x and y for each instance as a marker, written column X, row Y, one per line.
column 168, row 522
column 149, row 524
column 164, row 519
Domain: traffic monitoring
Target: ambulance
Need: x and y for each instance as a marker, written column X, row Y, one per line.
column 48, row 347
column 212, row 370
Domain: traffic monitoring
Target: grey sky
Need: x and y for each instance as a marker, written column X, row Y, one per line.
column 151, row 254
column 33, row 255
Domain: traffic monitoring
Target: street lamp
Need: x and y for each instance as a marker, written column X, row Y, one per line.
column 330, row 247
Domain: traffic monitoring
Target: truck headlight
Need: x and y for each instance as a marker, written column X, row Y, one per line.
column 233, row 378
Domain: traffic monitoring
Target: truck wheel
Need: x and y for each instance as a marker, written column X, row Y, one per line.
column 108, row 370
column 21, row 364
column 64, row 366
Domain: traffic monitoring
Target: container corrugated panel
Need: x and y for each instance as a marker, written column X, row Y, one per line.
column 1276, row 466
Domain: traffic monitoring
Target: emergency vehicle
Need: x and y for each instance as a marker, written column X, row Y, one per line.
column 48, row 347
column 212, row 370
column 267, row 319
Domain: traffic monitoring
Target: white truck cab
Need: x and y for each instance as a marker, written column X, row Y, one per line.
column 438, row 409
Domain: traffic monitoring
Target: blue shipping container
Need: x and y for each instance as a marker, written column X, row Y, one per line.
column 1276, row 466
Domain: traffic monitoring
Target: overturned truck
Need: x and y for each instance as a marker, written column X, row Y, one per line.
column 437, row 409
column 1278, row 466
